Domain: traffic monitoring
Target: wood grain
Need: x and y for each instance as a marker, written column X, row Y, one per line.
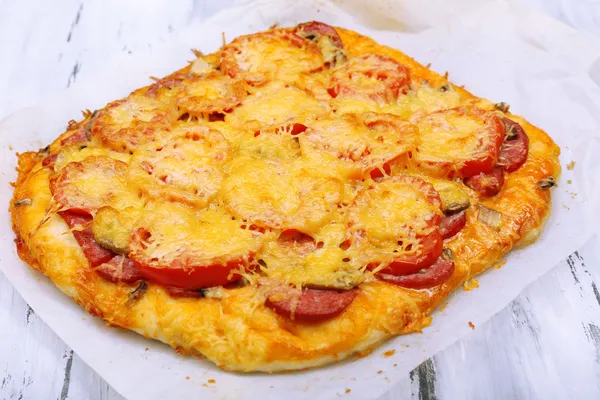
column 545, row 344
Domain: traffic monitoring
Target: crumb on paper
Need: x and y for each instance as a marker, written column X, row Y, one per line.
column 571, row 165
column 352, row 379
column 347, row 391
column 500, row 264
column 573, row 195
column 471, row 325
column 565, row 206
column 380, row 372
column 443, row 306
column 569, row 181
column 472, row 284
column 187, row 378
column 389, row 353
column 395, row 365
column 212, row 381
column 10, row 147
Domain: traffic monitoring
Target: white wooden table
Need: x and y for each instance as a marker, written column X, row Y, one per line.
column 545, row 344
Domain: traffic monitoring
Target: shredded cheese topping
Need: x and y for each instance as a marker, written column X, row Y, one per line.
column 284, row 156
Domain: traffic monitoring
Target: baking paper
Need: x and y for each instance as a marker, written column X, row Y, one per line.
column 501, row 51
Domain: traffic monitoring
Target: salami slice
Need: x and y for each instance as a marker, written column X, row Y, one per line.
column 513, row 152
column 487, row 184
column 82, row 230
column 312, row 305
column 435, row 275
column 452, row 224
column 119, row 269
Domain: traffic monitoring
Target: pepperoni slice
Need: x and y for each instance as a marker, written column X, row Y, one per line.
column 435, row 275
column 488, row 184
column 514, row 150
column 175, row 245
column 265, row 56
column 328, row 40
column 82, row 231
column 452, row 224
column 125, row 124
column 410, row 209
column 119, row 269
column 379, row 78
column 187, row 169
column 460, row 142
column 85, row 186
column 311, row 305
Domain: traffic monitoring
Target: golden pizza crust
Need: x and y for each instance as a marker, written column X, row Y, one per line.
column 238, row 332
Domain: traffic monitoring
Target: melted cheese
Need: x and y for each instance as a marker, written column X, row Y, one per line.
column 279, row 194
column 449, row 136
column 186, row 168
column 276, row 104
column 95, row 182
column 272, row 56
column 388, row 218
column 192, row 237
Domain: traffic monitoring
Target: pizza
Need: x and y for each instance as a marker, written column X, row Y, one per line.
column 295, row 198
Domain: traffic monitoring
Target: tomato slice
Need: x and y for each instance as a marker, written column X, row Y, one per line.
column 125, row 124
column 176, row 245
column 397, row 215
column 361, row 144
column 277, row 54
column 373, row 76
column 430, row 249
column 192, row 277
column 459, row 142
column 96, row 181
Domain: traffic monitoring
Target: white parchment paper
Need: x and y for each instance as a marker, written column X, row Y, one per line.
column 545, row 70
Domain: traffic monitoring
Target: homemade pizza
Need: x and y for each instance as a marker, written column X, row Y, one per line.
column 293, row 199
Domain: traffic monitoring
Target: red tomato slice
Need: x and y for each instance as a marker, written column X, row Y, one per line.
column 72, row 188
column 191, row 277
column 459, row 142
column 430, row 249
column 312, row 305
column 379, row 78
column 435, row 275
column 487, row 184
column 261, row 57
column 513, row 152
column 429, row 244
column 452, row 224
